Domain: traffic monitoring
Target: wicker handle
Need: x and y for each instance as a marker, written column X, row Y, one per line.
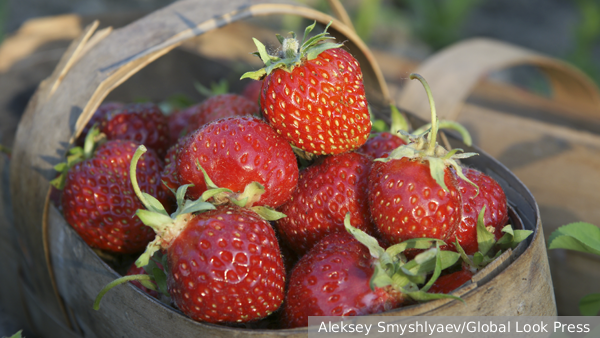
column 454, row 73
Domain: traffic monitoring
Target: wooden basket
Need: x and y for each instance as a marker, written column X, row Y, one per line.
column 61, row 275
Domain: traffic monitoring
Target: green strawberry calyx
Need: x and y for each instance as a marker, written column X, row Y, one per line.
column 167, row 227
column 488, row 248
column 424, row 147
column 245, row 199
column 392, row 271
column 293, row 53
column 78, row 154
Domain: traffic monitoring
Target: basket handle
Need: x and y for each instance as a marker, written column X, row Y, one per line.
column 454, row 73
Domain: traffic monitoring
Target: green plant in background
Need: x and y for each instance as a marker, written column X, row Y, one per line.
column 438, row 22
column 582, row 237
column 586, row 35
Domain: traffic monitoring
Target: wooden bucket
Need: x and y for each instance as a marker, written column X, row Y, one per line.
column 551, row 143
column 61, row 275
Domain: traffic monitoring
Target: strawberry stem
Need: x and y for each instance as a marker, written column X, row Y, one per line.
column 434, row 122
column 116, row 282
column 132, row 175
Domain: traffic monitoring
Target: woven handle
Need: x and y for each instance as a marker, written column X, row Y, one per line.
column 454, row 73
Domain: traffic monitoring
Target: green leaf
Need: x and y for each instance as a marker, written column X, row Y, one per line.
column 268, row 213
column 590, row 305
column 154, row 204
column 307, row 31
column 262, row 51
column 161, row 280
column 255, row 75
column 367, row 240
column 413, row 243
column 424, row 296
column 17, row 335
column 209, row 183
column 399, row 123
column 151, row 249
column 379, row 278
column 378, row 126
column 447, row 259
column 520, row 235
column 156, row 221
column 578, row 236
column 463, row 254
column 279, row 38
column 313, row 52
column 436, row 169
column 196, row 206
column 208, row 194
column 485, row 239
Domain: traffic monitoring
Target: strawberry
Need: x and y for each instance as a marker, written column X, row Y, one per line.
column 350, row 274
column 332, row 279
column 452, row 281
column 98, row 199
column 218, row 107
column 97, row 117
column 491, row 196
column 236, row 151
column 251, row 90
column 226, row 266
column 222, row 264
column 143, row 123
column 381, row 144
column 168, row 176
column 413, row 192
column 326, row 192
column 313, row 95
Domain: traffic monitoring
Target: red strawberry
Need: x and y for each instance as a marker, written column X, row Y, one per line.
column 492, row 197
column 223, row 264
column 313, row 95
column 226, row 266
column 143, row 123
column 99, row 202
column 218, row 107
column 326, row 192
column 252, row 91
column 381, row 144
column 332, row 279
column 407, row 202
column 450, row 282
column 413, row 192
column 98, row 116
column 235, row 152
column 179, row 122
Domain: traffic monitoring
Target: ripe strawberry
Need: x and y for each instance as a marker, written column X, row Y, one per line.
column 491, row 196
column 236, row 151
column 381, row 144
column 222, row 264
column 98, row 116
column 332, row 279
column 313, row 95
column 218, row 107
column 406, row 202
column 413, row 193
column 169, row 176
column 226, row 266
column 450, row 282
column 99, row 202
column 143, row 123
column 252, row 91
column 326, row 192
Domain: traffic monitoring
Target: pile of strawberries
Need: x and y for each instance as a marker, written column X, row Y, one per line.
column 289, row 207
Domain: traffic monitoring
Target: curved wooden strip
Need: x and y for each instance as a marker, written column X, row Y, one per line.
column 454, row 72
